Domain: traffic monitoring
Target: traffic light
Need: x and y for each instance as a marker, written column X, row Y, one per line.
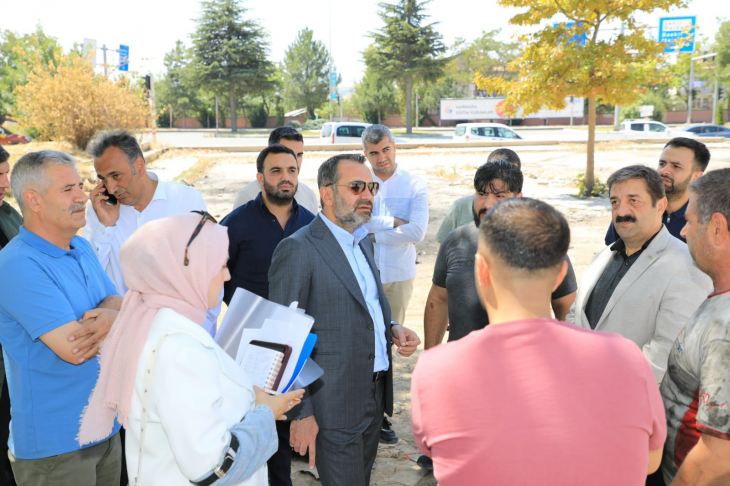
column 721, row 93
column 148, row 82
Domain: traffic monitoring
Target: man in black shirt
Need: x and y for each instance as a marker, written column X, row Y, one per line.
column 254, row 231
column 682, row 161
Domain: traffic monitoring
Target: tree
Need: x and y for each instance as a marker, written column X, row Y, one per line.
column 485, row 55
column 374, row 96
column 405, row 50
column 177, row 88
column 16, row 54
column 230, row 53
column 569, row 59
column 305, row 72
column 64, row 99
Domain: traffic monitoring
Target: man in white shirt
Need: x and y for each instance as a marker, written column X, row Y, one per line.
column 306, row 197
column 400, row 217
column 141, row 197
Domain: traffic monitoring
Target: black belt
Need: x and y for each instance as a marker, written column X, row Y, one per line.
column 379, row 375
column 221, row 469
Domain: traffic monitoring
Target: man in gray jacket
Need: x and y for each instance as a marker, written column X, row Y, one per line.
column 328, row 267
column 644, row 286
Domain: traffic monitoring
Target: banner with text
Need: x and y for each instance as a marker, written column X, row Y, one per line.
column 492, row 108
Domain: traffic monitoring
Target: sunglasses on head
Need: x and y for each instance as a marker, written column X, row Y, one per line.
column 358, row 187
column 206, row 217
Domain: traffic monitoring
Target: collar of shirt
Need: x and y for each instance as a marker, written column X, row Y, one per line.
column 396, row 173
column 42, row 245
column 259, row 201
column 620, row 246
column 344, row 238
column 679, row 213
column 160, row 191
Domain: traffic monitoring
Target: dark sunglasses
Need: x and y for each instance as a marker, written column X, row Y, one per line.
column 358, row 187
column 206, row 217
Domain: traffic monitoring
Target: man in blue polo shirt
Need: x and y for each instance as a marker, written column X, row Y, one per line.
column 57, row 305
column 254, row 231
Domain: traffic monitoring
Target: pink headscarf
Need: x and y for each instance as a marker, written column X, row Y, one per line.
column 152, row 262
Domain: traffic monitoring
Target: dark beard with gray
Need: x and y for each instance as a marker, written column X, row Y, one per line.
column 277, row 197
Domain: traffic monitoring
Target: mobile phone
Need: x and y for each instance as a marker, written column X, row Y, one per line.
column 112, row 201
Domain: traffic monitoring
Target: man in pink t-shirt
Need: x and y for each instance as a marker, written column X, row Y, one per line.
column 530, row 400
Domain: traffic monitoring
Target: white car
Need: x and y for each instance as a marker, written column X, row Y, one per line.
column 650, row 128
column 466, row 132
column 342, row 132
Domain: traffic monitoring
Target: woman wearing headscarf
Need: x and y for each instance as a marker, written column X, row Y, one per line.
column 190, row 413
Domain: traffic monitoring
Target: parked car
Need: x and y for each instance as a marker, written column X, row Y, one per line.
column 11, row 138
column 466, row 132
column 707, row 130
column 342, row 132
column 649, row 128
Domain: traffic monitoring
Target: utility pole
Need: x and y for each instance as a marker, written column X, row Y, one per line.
column 691, row 81
column 617, row 108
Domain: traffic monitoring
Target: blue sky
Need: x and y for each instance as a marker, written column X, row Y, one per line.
column 151, row 27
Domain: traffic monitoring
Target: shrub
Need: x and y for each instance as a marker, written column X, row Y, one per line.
column 294, row 124
column 258, row 117
column 313, row 124
column 65, row 100
column 599, row 188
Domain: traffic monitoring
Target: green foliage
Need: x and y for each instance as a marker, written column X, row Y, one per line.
column 650, row 98
column 722, row 47
column 258, row 116
column 486, row 56
column 314, row 124
column 305, row 73
column 17, row 53
column 720, row 113
column 294, row 124
column 406, row 50
column 599, row 188
column 374, row 96
column 230, row 53
column 178, row 88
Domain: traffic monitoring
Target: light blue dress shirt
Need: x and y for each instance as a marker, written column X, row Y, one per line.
column 350, row 244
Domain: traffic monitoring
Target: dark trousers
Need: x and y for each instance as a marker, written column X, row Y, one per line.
column 6, row 472
column 280, row 463
column 123, row 479
column 346, row 456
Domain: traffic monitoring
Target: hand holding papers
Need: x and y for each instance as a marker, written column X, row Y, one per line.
column 250, row 319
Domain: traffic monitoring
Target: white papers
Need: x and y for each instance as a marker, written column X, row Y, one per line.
column 251, row 317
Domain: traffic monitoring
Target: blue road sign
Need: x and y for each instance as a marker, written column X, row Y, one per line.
column 677, row 33
column 123, row 58
column 581, row 39
column 333, row 78
column 334, row 96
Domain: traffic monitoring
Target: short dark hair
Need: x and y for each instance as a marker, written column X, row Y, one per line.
column 121, row 139
column 4, row 155
column 328, row 173
column 505, row 154
column 286, row 133
column 501, row 170
column 702, row 153
column 526, row 234
column 272, row 149
column 713, row 195
column 651, row 178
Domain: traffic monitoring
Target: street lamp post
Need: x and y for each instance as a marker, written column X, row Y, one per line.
column 691, row 80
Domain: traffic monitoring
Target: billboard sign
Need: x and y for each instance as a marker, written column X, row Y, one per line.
column 123, row 58
column 333, row 78
column 493, row 108
column 678, row 33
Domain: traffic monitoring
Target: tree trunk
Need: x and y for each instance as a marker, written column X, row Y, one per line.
column 232, row 101
column 380, row 122
column 409, row 105
column 590, row 176
column 185, row 120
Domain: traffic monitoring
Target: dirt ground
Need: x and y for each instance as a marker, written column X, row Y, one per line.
column 550, row 174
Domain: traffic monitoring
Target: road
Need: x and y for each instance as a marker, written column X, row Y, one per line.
column 205, row 138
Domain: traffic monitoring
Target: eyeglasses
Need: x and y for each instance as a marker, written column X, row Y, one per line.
column 206, row 217
column 358, row 187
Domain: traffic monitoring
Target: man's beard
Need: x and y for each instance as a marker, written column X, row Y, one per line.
column 277, row 197
column 675, row 191
column 348, row 217
column 477, row 215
